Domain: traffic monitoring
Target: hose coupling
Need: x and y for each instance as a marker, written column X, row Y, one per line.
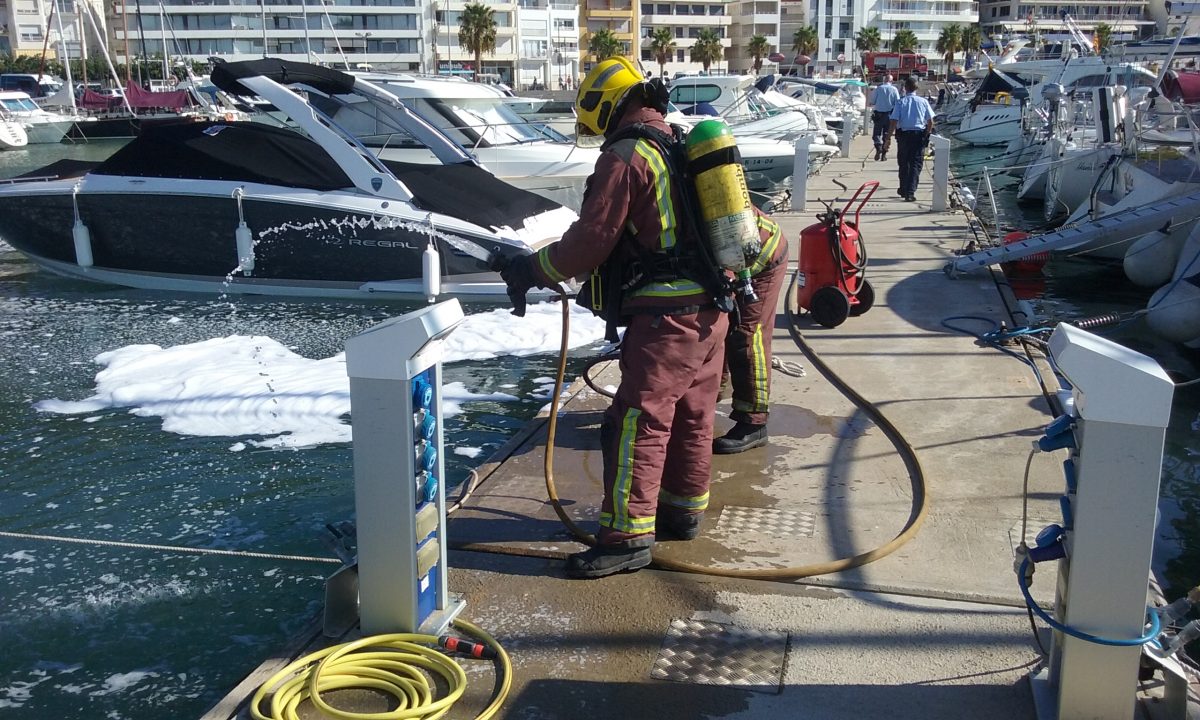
column 466, row 647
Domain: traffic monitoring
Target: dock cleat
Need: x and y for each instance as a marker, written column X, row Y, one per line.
column 604, row 560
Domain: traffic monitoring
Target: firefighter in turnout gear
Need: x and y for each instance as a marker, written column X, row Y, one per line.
column 748, row 347
column 656, row 436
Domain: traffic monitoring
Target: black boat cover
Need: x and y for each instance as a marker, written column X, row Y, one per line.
column 226, row 76
column 61, row 170
column 259, row 153
column 468, row 192
column 236, row 152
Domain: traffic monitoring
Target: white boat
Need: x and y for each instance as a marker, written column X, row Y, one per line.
column 476, row 117
column 12, row 135
column 996, row 110
column 41, row 126
column 247, row 207
column 1133, row 182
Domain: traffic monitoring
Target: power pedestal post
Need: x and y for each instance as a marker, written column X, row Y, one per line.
column 395, row 373
column 1120, row 404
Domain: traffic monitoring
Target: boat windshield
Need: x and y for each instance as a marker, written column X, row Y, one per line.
column 474, row 122
column 19, row 105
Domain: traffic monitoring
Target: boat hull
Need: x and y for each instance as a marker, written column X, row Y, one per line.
column 187, row 242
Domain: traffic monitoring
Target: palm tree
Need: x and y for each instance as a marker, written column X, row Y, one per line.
column 604, row 44
column 1103, row 37
column 972, row 38
column 758, row 48
column 948, row 43
column 868, row 40
column 707, row 49
column 804, row 40
column 905, row 41
column 477, row 32
column 662, row 44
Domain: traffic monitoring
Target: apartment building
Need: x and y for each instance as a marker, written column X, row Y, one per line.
column 685, row 19
column 548, row 40
column 455, row 59
column 793, row 15
column 1128, row 18
column 750, row 18
column 24, row 29
column 621, row 17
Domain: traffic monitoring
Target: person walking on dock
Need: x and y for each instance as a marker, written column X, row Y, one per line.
column 912, row 124
column 748, row 346
column 656, row 438
column 884, row 100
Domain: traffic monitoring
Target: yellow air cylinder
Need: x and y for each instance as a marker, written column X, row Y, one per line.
column 729, row 226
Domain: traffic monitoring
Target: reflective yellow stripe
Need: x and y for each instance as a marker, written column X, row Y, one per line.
column 671, row 289
column 636, row 526
column 689, row 503
column 623, row 482
column 759, row 402
column 662, row 192
column 768, row 247
column 543, row 259
column 761, row 384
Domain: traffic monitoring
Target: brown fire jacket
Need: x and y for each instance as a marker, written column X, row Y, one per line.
column 631, row 189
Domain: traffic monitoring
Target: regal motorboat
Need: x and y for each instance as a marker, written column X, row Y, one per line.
column 41, row 126
column 246, row 207
column 477, row 117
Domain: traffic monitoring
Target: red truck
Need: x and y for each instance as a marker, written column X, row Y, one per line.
column 898, row 65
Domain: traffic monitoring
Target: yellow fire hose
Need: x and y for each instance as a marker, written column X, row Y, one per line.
column 394, row 665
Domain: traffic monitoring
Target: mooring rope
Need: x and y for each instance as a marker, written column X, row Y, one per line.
column 169, row 548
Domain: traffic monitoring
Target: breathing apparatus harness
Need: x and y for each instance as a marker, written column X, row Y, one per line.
column 607, row 285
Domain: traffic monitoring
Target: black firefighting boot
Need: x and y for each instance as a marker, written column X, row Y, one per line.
column 604, row 560
column 670, row 524
column 741, row 437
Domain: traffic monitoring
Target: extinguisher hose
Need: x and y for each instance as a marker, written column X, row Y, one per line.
column 917, row 512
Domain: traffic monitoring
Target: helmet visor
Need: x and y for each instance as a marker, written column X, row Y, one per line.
column 585, row 138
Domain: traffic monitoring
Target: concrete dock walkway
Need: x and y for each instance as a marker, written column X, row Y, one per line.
column 935, row 630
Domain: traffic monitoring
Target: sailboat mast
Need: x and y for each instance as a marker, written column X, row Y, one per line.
column 125, row 35
column 83, row 54
column 66, row 56
column 162, row 27
column 46, row 44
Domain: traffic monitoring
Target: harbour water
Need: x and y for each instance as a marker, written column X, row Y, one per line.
column 133, row 633
column 126, row 633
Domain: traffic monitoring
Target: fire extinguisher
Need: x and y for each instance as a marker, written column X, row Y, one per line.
column 830, row 280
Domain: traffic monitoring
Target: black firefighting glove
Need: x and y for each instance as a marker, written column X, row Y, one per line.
column 517, row 273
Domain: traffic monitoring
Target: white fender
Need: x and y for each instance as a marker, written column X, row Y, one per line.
column 431, row 272
column 1174, row 310
column 1150, row 261
column 83, row 244
column 244, row 240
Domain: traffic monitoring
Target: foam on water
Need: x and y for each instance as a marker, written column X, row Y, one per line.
column 239, row 386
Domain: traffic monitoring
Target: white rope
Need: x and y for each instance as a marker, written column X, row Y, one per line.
column 168, row 548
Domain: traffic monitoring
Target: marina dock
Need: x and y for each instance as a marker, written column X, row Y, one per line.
column 936, row 629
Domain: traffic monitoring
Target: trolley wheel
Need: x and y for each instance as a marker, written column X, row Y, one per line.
column 865, row 297
column 829, row 306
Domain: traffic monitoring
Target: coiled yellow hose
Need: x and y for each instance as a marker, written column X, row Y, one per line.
column 394, row 664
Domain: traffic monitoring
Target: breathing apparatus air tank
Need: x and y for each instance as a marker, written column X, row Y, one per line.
column 730, row 227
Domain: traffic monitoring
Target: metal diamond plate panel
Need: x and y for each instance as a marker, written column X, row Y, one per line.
column 767, row 521
column 710, row 653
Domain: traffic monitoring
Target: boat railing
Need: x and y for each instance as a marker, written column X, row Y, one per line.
column 30, row 179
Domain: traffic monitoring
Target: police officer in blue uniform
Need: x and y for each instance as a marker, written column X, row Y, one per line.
column 912, row 124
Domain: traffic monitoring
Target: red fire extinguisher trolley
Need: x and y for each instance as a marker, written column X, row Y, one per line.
column 830, row 282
